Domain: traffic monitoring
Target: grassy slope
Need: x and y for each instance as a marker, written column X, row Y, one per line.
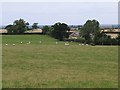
column 50, row 65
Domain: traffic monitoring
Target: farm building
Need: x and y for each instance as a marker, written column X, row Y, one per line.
column 34, row 31
column 74, row 35
column 3, row 31
column 111, row 32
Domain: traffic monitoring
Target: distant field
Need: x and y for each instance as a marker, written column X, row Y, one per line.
column 47, row 65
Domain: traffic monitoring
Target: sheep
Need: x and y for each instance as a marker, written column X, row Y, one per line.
column 56, row 42
column 21, row 42
column 40, row 41
column 6, row 44
column 29, row 42
column 66, row 44
column 13, row 44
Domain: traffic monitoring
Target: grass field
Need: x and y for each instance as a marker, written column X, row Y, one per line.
column 47, row 65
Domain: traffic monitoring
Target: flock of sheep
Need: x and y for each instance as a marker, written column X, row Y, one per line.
column 20, row 42
column 29, row 42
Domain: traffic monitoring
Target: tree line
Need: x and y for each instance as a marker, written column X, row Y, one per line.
column 90, row 32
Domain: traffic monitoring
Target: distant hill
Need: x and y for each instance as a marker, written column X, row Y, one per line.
column 109, row 26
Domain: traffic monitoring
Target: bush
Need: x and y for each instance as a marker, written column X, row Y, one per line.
column 107, row 41
column 92, row 44
column 80, row 40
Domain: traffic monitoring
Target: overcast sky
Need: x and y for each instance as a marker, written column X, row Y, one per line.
column 72, row 13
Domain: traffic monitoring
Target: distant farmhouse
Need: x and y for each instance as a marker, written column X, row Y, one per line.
column 3, row 31
column 111, row 32
column 37, row 31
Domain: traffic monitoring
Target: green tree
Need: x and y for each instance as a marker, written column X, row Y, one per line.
column 9, row 28
column 91, row 31
column 27, row 26
column 35, row 25
column 18, row 27
column 60, row 31
column 46, row 29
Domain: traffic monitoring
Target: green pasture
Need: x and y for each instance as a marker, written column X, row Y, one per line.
column 51, row 65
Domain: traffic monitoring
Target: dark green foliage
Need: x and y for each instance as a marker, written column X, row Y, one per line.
column 91, row 31
column 27, row 24
column 35, row 25
column 47, row 30
column 92, row 35
column 9, row 28
column 18, row 27
column 107, row 40
column 60, row 31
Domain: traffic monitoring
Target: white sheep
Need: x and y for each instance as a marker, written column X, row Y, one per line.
column 6, row 44
column 13, row 44
column 40, row 41
column 56, row 42
column 66, row 44
column 21, row 42
column 29, row 42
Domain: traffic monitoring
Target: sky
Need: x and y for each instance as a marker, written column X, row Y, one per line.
column 48, row 13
